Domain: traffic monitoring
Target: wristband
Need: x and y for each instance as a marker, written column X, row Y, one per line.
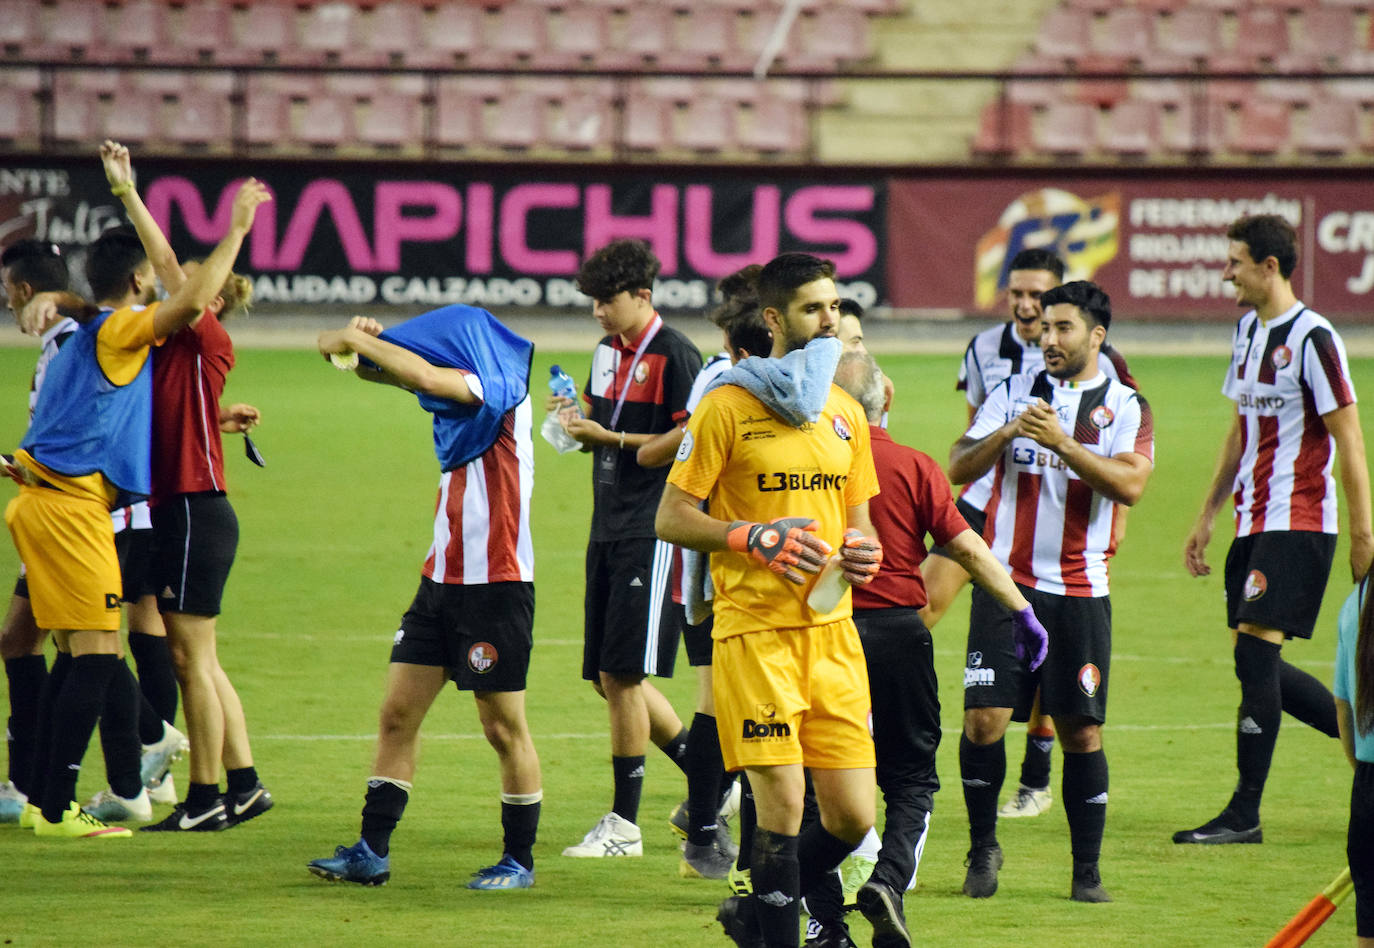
column 622, row 441
column 119, row 190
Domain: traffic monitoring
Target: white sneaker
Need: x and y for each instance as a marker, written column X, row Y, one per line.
column 611, row 836
column 158, row 758
column 164, row 792
column 1027, row 802
column 109, row 807
column 729, row 807
column 12, row 802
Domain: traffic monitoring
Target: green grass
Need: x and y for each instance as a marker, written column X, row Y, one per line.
column 333, row 531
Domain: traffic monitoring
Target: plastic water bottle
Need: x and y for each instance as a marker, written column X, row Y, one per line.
column 562, row 385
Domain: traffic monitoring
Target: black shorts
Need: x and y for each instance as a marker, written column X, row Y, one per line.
column 975, row 518
column 632, row 626
column 1276, row 580
column 135, row 551
column 1073, row 679
column 195, row 537
column 906, row 703
column 1359, row 848
column 21, row 587
column 481, row 634
column 697, row 639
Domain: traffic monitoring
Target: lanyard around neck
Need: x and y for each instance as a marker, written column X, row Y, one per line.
column 643, row 346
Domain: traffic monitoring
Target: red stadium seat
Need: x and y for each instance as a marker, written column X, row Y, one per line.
column 1131, row 128
column 1191, row 33
column 1099, row 91
column 647, row 123
column 838, row 33
column 266, row 33
column 1004, row 129
column 326, row 122
column 649, row 32
column 774, row 125
column 267, row 117
column 75, row 28
column 1326, row 36
column 392, row 120
column 457, row 115
column 1194, row 129
column 329, row 32
column 135, row 117
column 1126, row 33
column 1261, row 34
column 76, row 116
column 1261, row 128
column 1066, row 128
column 708, row 125
column 1332, row 128
column 392, row 35
column 138, row 30
column 518, row 121
column 518, row 36
column 706, row 39
column 20, row 27
column 453, row 33
column 1065, row 33
column 583, row 38
column 583, row 123
column 200, row 118
column 18, row 115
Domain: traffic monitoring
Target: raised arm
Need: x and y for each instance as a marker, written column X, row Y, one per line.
column 202, row 286
column 120, row 173
column 971, row 458
column 1344, row 425
column 397, row 366
column 1223, row 482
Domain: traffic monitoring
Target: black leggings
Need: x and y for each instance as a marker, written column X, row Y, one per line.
column 1359, row 847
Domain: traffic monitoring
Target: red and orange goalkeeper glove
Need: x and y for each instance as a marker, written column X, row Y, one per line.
column 788, row 546
column 860, row 557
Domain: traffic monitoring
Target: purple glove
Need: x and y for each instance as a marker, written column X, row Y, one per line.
column 1032, row 641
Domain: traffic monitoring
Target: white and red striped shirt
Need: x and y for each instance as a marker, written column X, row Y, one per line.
column 1283, row 378
column 482, row 516
column 1050, row 529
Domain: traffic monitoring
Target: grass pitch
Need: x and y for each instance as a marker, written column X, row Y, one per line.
column 333, row 531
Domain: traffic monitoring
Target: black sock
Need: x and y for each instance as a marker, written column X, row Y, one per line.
column 520, row 825
column 76, row 709
column 982, row 768
column 156, row 676
column 1307, row 699
column 150, row 724
column 629, row 783
column 1084, row 787
column 748, row 819
column 1257, row 727
column 119, row 733
column 819, row 852
column 1035, row 766
column 382, row 808
column 703, row 780
column 201, row 796
column 676, row 750
column 241, row 779
column 777, row 887
column 26, row 674
column 825, row 899
column 42, row 748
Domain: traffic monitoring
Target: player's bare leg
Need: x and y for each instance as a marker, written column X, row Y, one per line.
column 502, row 714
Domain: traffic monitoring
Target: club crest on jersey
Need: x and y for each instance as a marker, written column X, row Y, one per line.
column 482, row 657
column 842, row 429
column 1280, row 357
column 1089, row 679
column 641, row 373
column 1255, row 585
column 1101, row 416
column 684, row 449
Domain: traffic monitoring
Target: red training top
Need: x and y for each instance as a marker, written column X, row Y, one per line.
column 189, row 370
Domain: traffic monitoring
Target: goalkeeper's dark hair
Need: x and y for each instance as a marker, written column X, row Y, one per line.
column 111, row 261
column 1088, row 297
column 38, row 263
column 739, row 313
column 782, row 276
column 620, row 266
column 1364, row 664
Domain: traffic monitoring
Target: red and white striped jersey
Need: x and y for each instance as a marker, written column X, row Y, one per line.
column 1050, row 529
column 482, row 516
column 1283, row 378
column 998, row 353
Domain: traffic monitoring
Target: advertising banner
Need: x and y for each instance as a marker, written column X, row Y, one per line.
column 1156, row 243
column 421, row 235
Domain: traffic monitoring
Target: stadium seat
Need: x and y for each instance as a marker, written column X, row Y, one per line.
column 1004, row 129
column 582, row 37
column 647, row 123
column 266, row 33
column 1067, row 129
column 1359, row 89
column 161, row 82
column 1332, row 128
column 74, row 29
column 1292, row 91
column 583, row 123
column 452, row 33
column 138, row 31
column 707, row 125
column 267, row 118
column 836, row 33
column 676, row 89
column 1101, row 91
column 1126, row 33
column 20, row 27
column 1261, row 34
column 1194, row 129
column 200, row 118
column 18, row 115
column 28, row 79
column 328, row 32
column 518, row 36
column 326, row 122
column 75, row 116
column 774, row 125
column 1326, row 35
column 518, row 121
column 204, row 33
column 706, row 39
column 1193, row 33
column 391, row 35
column 1261, row 128
column 457, row 115
column 1065, row 33
column 1131, row 129
column 392, row 120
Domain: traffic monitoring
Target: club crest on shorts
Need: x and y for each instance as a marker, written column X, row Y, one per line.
column 482, row 657
column 841, row 428
column 1255, row 585
column 1089, row 679
column 1101, row 416
column 641, row 373
column 684, row 448
column 1280, row 357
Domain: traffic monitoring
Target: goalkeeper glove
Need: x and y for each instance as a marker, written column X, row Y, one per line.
column 1032, row 641
column 787, row 546
column 860, row 557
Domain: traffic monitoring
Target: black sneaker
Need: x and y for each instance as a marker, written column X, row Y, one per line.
column 242, row 807
column 828, row 935
column 1087, row 884
column 736, row 916
column 882, row 906
column 983, row 863
column 212, row 819
column 1226, row 828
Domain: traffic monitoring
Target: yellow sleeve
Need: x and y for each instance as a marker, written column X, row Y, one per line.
column 705, row 447
column 862, row 482
column 123, row 340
